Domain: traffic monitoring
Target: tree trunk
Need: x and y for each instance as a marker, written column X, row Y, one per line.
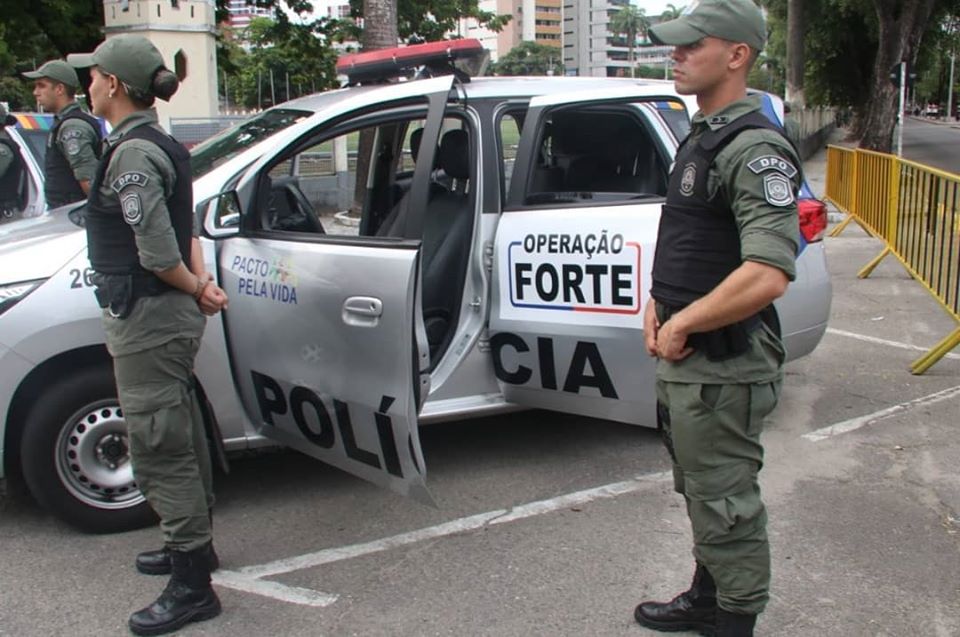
column 379, row 32
column 901, row 25
column 795, row 53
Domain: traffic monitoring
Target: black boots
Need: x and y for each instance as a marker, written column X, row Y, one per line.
column 695, row 609
column 187, row 598
column 158, row 562
column 734, row 625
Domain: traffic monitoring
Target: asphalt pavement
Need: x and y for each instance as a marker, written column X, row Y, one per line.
column 559, row 525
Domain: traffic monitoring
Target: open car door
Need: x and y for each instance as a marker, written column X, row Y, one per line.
column 574, row 252
column 325, row 332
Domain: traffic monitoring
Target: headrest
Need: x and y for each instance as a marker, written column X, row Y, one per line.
column 454, row 157
column 415, row 138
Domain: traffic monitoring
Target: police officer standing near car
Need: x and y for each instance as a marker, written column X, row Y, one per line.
column 726, row 249
column 73, row 146
column 151, row 283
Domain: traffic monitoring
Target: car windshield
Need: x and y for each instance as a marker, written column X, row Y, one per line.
column 229, row 143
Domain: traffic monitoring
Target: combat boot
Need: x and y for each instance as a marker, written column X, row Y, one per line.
column 693, row 609
column 188, row 597
column 158, row 562
column 734, row 624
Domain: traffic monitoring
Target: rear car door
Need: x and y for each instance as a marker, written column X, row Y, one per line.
column 324, row 331
column 574, row 251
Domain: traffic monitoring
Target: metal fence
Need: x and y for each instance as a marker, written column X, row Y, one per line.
column 915, row 210
column 190, row 131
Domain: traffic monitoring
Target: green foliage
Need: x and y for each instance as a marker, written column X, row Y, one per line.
column 653, row 73
column 300, row 53
column 431, row 20
column 672, row 12
column 529, row 58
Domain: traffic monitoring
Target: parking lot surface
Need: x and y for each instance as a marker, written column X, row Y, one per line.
column 558, row 525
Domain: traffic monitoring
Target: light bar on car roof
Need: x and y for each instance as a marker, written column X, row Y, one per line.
column 390, row 63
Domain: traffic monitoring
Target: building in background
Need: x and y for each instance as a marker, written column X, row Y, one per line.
column 183, row 29
column 537, row 21
column 239, row 14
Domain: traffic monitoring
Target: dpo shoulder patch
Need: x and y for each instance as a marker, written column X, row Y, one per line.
column 772, row 162
column 69, row 133
column 131, row 178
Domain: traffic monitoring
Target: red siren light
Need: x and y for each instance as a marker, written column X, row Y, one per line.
column 384, row 64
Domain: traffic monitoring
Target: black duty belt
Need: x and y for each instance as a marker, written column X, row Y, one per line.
column 119, row 292
column 729, row 341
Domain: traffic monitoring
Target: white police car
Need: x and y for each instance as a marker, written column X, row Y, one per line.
column 29, row 133
column 496, row 254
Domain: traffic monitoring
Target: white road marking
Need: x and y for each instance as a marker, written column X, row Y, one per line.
column 276, row 590
column 861, row 421
column 883, row 341
column 460, row 525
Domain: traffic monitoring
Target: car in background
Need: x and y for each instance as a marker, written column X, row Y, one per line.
column 932, row 110
column 396, row 253
column 29, row 132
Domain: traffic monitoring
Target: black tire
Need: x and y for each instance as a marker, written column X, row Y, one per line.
column 74, row 455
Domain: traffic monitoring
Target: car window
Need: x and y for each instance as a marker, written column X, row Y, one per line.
column 596, row 155
column 229, row 143
column 509, row 140
column 676, row 117
column 37, row 143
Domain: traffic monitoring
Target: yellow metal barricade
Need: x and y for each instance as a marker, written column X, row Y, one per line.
column 915, row 210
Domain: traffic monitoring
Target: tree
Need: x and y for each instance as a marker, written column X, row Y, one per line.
column 672, row 12
column 529, row 58
column 630, row 21
column 795, row 60
column 431, row 20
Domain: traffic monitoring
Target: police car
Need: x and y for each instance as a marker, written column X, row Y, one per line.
column 29, row 133
column 396, row 253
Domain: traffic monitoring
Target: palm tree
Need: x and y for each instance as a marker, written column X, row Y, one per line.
column 630, row 22
column 672, row 12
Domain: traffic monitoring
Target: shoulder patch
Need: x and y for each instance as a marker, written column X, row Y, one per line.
column 772, row 162
column 70, row 133
column 777, row 190
column 130, row 178
column 132, row 209
column 72, row 146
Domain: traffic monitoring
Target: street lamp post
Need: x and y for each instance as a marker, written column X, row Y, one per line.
column 953, row 57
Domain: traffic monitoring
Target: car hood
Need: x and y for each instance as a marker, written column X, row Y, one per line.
column 37, row 247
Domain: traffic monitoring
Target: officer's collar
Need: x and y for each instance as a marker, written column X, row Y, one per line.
column 66, row 109
column 728, row 113
column 131, row 121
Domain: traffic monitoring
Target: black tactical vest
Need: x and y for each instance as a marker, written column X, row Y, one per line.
column 60, row 186
column 698, row 244
column 110, row 239
column 10, row 181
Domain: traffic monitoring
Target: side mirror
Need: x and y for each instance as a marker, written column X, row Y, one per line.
column 219, row 215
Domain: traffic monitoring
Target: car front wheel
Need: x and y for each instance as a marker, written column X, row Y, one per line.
column 76, row 457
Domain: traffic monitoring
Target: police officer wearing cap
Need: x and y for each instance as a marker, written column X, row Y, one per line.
column 11, row 170
column 151, row 283
column 726, row 249
column 73, row 146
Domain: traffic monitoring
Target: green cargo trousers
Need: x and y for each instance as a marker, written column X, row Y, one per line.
column 168, row 446
column 713, row 435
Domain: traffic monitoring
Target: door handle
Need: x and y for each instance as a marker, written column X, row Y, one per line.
column 362, row 311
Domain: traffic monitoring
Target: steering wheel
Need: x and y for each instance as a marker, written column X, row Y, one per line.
column 303, row 205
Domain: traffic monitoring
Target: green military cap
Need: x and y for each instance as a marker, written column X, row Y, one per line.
column 132, row 58
column 733, row 20
column 56, row 70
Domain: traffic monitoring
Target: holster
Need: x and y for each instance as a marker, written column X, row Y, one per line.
column 118, row 293
column 731, row 340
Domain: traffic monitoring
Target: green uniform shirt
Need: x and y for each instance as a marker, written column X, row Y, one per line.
column 77, row 140
column 155, row 320
column 769, row 234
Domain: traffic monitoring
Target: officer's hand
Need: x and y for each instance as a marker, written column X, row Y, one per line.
column 672, row 342
column 213, row 299
column 651, row 325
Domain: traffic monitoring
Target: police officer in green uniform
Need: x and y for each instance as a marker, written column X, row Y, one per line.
column 11, row 170
column 152, row 285
column 73, row 146
column 726, row 249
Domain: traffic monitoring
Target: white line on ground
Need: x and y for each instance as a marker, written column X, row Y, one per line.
column 469, row 523
column 883, row 341
column 276, row 590
column 861, row 421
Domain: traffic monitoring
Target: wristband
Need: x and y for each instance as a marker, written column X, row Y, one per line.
column 201, row 286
